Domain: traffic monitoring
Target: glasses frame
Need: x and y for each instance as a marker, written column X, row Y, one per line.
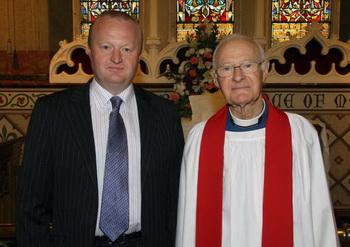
column 240, row 67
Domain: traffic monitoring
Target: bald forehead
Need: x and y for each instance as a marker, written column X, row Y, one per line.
column 116, row 17
column 242, row 47
column 101, row 21
column 237, row 44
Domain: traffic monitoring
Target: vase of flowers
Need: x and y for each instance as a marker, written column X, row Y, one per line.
column 193, row 76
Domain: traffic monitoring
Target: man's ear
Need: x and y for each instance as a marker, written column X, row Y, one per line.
column 140, row 57
column 266, row 69
column 215, row 78
column 88, row 51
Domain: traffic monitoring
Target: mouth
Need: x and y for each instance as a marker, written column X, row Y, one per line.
column 115, row 69
column 239, row 87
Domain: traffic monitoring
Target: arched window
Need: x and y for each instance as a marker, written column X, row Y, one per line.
column 291, row 17
column 90, row 9
column 190, row 13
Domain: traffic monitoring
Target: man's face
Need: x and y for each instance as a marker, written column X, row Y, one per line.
column 240, row 88
column 114, row 52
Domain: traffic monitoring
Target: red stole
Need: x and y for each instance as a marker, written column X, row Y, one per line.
column 277, row 229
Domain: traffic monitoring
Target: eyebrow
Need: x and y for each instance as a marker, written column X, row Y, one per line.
column 246, row 61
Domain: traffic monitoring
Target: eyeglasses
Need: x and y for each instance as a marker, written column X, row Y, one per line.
column 246, row 68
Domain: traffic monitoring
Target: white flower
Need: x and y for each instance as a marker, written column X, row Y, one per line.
column 180, row 88
column 201, row 51
column 182, row 66
column 190, row 51
column 201, row 65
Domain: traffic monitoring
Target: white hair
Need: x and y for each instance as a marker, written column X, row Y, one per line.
column 236, row 36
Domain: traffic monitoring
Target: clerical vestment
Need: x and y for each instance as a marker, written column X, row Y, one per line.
column 243, row 186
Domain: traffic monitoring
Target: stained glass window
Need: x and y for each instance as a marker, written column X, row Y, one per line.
column 291, row 17
column 90, row 9
column 192, row 12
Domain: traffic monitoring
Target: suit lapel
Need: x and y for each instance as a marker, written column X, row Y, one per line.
column 79, row 115
column 147, row 130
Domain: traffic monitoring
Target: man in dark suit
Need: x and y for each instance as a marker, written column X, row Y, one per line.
column 61, row 186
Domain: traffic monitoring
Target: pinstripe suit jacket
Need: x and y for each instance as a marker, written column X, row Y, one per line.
column 59, row 182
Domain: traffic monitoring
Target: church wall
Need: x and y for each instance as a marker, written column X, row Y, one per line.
column 39, row 27
column 34, row 29
column 247, row 13
column 26, row 24
column 344, row 29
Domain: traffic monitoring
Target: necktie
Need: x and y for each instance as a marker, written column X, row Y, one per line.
column 114, row 219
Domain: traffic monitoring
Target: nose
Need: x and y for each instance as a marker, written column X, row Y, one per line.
column 116, row 56
column 238, row 75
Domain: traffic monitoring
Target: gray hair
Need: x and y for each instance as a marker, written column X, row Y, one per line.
column 236, row 36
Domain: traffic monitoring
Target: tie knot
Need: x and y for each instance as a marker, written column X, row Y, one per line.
column 116, row 102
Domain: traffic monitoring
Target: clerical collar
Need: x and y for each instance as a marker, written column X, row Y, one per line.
column 236, row 124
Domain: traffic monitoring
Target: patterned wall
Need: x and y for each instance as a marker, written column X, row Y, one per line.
column 330, row 107
column 15, row 110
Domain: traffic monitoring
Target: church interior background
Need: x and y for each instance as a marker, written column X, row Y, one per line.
column 42, row 51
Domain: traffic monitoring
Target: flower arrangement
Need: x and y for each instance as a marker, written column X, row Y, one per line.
column 193, row 76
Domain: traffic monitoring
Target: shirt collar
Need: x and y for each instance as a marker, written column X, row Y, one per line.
column 102, row 97
column 261, row 123
column 248, row 122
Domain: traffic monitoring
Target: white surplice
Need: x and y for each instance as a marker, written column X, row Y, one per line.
column 244, row 153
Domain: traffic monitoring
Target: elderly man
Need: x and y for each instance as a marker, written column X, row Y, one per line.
column 252, row 175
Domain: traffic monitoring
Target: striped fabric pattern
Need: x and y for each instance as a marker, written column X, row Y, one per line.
column 58, row 182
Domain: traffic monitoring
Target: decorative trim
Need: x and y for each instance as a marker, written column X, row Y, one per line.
column 63, row 56
column 14, row 77
column 310, row 101
column 8, row 131
column 152, row 60
column 22, row 99
column 312, row 77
